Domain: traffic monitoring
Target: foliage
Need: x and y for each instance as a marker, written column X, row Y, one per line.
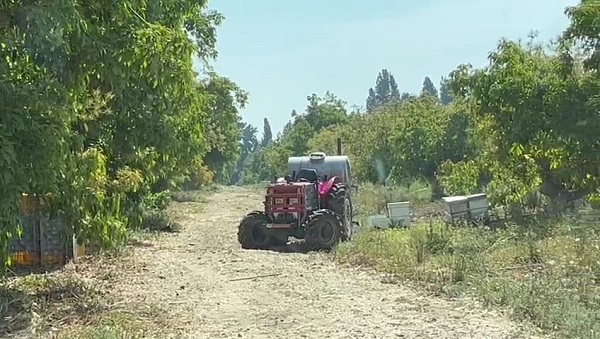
column 223, row 100
column 322, row 114
column 525, row 123
column 372, row 199
column 385, row 91
column 445, row 92
column 267, row 133
column 536, row 122
column 429, row 88
column 102, row 110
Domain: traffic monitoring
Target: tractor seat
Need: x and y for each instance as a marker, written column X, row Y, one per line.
column 307, row 175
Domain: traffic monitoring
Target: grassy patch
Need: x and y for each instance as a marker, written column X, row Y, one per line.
column 76, row 302
column 194, row 195
column 117, row 324
column 159, row 216
column 259, row 187
column 551, row 280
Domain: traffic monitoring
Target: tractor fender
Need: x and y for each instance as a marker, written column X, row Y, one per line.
column 325, row 187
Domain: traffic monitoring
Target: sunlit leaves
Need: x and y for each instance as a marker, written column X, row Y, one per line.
column 536, row 126
column 100, row 104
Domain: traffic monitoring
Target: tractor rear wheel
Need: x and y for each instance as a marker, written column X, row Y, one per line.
column 338, row 200
column 323, row 230
column 252, row 231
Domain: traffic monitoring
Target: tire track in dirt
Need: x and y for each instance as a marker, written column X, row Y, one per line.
column 193, row 274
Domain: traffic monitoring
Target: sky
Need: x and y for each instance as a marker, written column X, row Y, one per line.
column 282, row 51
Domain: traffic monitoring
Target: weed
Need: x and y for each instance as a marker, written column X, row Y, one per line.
column 68, row 304
column 550, row 278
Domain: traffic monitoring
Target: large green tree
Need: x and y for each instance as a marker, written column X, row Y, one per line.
column 538, row 125
column 101, row 107
column 223, row 99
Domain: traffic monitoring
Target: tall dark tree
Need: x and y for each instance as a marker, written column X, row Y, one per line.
column 385, row 91
column 445, row 91
column 394, row 91
column 429, row 88
column 248, row 145
column 267, row 134
column 371, row 100
column 249, row 142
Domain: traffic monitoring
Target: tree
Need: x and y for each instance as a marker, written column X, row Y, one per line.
column 371, row 100
column 103, row 109
column 406, row 97
column 249, row 142
column 248, row 145
column 386, row 91
column 429, row 88
column 267, row 134
column 536, row 123
column 326, row 111
column 221, row 131
column 445, row 92
column 525, row 124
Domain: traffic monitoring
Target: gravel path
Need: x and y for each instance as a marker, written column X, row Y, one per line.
column 205, row 279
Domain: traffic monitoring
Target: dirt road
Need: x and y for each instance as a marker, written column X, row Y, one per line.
column 198, row 274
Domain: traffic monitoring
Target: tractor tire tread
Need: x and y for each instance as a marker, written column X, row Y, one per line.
column 315, row 244
column 245, row 235
column 335, row 202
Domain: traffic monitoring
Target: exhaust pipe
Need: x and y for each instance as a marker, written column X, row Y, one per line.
column 339, row 146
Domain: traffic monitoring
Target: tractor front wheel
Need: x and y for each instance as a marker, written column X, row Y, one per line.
column 323, row 230
column 252, row 231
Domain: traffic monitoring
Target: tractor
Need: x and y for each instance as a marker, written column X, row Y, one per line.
column 312, row 202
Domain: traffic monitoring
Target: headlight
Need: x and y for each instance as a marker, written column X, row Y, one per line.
column 279, row 201
column 293, row 201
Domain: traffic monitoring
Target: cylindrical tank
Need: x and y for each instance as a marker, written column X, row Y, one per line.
column 327, row 166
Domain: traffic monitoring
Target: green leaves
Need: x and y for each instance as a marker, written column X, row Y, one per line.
column 535, row 120
column 101, row 105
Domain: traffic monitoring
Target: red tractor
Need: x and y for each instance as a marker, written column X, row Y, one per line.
column 312, row 203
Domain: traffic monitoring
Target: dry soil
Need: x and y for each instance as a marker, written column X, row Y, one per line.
column 217, row 290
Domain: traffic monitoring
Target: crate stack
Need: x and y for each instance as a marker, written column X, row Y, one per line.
column 44, row 241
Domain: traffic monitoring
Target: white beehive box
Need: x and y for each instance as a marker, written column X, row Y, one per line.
column 478, row 205
column 399, row 212
column 457, row 207
column 379, row 221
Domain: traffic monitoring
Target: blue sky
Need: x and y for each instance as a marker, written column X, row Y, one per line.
column 281, row 51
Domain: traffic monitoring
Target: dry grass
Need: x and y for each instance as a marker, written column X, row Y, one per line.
column 82, row 300
column 77, row 301
column 546, row 272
